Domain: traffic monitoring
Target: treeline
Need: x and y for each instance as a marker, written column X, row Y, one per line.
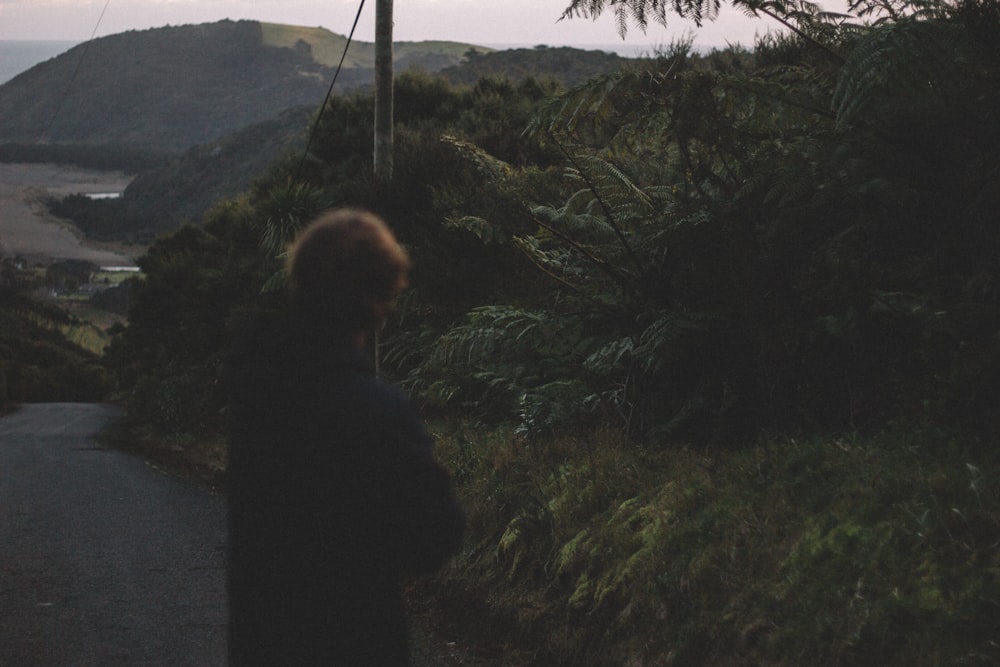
column 668, row 309
column 107, row 157
column 571, row 66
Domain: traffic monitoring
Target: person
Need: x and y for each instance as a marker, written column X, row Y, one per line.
column 334, row 491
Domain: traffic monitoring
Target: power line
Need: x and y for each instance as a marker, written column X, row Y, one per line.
column 76, row 70
column 326, row 100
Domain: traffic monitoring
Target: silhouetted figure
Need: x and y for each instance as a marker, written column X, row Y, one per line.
column 334, row 491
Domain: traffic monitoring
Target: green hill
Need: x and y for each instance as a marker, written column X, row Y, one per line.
column 167, row 89
column 326, row 48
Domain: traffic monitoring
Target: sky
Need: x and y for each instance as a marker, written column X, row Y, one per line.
column 482, row 22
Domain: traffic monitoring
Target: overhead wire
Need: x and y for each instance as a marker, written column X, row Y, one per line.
column 312, row 133
column 315, row 126
column 326, row 100
column 76, row 71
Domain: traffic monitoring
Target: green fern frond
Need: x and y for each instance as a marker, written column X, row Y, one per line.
column 577, row 218
column 668, row 338
column 487, row 165
column 557, row 262
column 904, row 62
column 626, row 200
column 485, row 337
column 609, row 357
column 593, row 101
column 639, row 11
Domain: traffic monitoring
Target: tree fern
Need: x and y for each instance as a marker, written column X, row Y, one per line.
column 642, row 11
column 904, row 63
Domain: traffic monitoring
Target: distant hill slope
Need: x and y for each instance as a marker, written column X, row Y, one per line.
column 188, row 185
column 168, row 89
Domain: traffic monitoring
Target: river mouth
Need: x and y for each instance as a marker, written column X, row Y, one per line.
column 28, row 231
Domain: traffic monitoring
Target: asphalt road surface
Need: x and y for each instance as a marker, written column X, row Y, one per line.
column 103, row 560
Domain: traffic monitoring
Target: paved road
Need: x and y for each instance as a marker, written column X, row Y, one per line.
column 103, row 560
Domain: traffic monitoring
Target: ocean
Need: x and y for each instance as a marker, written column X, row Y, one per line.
column 18, row 55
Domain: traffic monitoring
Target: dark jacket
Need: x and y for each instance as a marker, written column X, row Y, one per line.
column 334, row 493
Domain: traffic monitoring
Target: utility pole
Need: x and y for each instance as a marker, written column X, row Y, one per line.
column 383, row 114
column 383, row 90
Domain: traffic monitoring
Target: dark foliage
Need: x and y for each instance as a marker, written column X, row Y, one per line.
column 185, row 189
column 754, row 245
column 107, row 157
column 37, row 364
column 102, row 219
column 569, row 66
column 169, row 358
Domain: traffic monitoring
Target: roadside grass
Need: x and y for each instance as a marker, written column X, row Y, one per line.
column 199, row 459
column 591, row 550
column 825, row 550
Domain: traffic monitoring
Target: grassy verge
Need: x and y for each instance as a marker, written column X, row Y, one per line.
column 829, row 551
column 202, row 460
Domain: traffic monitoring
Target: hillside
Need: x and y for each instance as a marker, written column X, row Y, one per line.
column 162, row 197
column 188, row 185
column 167, row 89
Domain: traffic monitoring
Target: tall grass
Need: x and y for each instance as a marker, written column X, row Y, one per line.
column 824, row 551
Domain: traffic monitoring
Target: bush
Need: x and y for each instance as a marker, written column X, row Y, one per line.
column 866, row 551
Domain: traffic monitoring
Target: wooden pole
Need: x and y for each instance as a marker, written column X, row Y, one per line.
column 383, row 90
column 383, row 113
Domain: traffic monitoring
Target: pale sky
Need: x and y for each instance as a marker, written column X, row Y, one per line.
column 481, row 22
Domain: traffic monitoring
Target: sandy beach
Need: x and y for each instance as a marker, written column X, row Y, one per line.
column 28, row 231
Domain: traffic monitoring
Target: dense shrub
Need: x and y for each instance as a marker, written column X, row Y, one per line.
column 834, row 551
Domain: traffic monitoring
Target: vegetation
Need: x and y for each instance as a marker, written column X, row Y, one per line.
column 570, row 66
column 109, row 157
column 39, row 362
column 710, row 342
column 825, row 550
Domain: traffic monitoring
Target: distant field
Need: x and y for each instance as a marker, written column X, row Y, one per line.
column 27, row 230
column 328, row 47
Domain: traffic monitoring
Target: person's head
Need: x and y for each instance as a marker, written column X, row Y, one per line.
column 345, row 270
